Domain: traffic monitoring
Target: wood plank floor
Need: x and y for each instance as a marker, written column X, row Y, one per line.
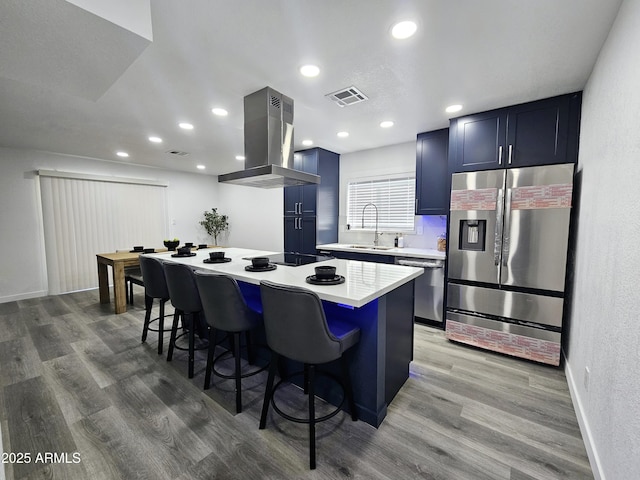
column 75, row 379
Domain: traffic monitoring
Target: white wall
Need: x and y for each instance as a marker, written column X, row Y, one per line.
column 256, row 216
column 378, row 162
column 22, row 260
column 605, row 323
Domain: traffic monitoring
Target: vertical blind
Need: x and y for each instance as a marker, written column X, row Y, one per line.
column 83, row 217
column 394, row 199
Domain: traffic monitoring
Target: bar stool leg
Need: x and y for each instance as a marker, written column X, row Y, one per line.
column 210, row 353
column 312, row 417
column 273, row 366
column 305, row 378
column 147, row 317
column 192, row 342
column 174, row 333
column 236, row 337
column 160, row 325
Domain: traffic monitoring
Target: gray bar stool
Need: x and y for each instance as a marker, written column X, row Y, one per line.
column 185, row 298
column 297, row 329
column 155, row 286
column 225, row 309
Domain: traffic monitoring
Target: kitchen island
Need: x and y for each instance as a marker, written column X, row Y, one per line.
column 378, row 298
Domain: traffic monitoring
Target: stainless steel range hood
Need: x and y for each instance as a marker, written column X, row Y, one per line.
column 268, row 144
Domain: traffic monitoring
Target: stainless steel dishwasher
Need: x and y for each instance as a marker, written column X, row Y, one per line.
column 429, row 287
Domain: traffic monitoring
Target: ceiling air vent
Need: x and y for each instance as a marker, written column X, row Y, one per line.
column 178, row 153
column 347, row 96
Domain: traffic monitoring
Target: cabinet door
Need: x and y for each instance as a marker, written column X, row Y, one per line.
column 432, row 181
column 309, row 161
column 537, row 133
column 308, row 234
column 292, row 200
column 308, row 200
column 479, row 141
column 291, row 234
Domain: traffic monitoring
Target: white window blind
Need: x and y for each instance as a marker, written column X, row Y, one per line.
column 394, row 199
column 83, row 217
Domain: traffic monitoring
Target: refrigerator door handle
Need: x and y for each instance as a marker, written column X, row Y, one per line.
column 507, row 228
column 497, row 243
column 500, row 155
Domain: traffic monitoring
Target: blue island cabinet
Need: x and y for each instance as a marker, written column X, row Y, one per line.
column 379, row 363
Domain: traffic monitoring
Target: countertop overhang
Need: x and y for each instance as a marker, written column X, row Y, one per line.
column 364, row 281
column 395, row 252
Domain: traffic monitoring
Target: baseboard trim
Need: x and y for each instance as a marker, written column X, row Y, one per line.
column 592, row 453
column 23, row 296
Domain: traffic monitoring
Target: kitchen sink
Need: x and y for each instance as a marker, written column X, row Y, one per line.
column 370, row 247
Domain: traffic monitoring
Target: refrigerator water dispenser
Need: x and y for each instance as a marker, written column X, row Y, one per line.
column 473, row 235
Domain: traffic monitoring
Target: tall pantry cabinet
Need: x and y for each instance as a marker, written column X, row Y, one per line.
column 311, row 211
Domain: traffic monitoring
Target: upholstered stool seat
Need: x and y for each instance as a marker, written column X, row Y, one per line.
column 296, row 328
column 185, row 298
column 155, row 286
column 226, row 310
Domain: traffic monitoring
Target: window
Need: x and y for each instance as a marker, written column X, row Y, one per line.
column 394, row 199
column 86, row 214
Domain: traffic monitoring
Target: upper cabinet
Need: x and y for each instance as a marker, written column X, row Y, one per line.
column 536, row 133
column 311, row 211
column 301, row 199
column 432, row 189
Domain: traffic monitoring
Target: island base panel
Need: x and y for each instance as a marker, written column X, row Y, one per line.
column 379, row 363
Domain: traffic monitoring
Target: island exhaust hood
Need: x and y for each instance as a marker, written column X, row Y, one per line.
column 268, row 144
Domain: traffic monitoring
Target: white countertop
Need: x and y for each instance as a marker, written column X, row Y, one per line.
column 364, row 281
column 396, row 252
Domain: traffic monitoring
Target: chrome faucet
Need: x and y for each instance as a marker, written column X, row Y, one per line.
column 376, row 234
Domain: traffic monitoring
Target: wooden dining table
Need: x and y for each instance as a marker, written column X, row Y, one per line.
column 118, row 262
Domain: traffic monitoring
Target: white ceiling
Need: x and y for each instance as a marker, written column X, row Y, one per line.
column 206, row 53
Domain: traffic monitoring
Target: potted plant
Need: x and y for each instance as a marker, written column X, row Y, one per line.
column 215, row 224
column 172, row 244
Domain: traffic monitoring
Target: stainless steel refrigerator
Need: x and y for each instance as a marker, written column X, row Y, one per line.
column 508, row 240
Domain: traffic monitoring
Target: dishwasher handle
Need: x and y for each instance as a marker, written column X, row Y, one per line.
column 421, row 263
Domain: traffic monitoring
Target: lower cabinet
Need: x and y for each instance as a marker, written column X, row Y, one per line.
column 300, row 234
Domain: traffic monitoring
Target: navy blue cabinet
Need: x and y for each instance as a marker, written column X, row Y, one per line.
column 535, row 133
column 432, row 179
column 311, row 211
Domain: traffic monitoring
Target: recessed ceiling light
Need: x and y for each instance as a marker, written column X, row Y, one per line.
column 185, row 126
column 405, row 29
column 307, row 143
column 200, row 167
column 310, row 70
column 122, row 154
column 343, row 134
column 239, row 157
column 453, row 108
column 155, row 139
column 221, row 112
column 386, row 124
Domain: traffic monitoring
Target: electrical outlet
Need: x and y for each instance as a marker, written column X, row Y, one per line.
column 587, row 373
